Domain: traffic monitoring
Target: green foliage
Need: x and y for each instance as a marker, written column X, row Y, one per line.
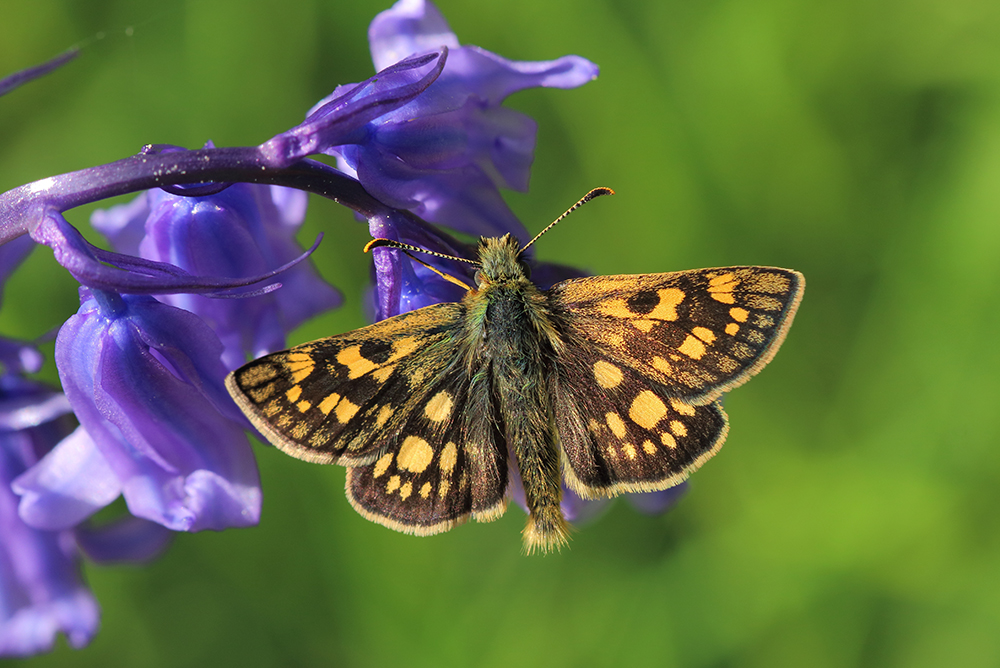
column 852, row 517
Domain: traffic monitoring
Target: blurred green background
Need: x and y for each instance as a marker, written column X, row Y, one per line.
column 852, row 517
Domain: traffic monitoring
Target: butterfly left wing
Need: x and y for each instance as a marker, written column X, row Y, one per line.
column 394, row 403
column 335, row 400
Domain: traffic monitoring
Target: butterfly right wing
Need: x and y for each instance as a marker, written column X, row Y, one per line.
column 645, row 360
column 336, row 400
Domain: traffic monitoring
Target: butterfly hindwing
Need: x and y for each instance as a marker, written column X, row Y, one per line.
column 621, row 432
column 335, row 400
column 445, row 465
column 697, row 333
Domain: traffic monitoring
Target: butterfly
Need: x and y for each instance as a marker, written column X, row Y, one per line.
column 610, row 384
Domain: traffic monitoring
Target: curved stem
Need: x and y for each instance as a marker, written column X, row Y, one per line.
column 22, row 207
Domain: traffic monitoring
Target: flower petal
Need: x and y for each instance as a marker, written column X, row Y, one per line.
column 339, row 118
column 67, row 486
column 407, row 28
column 145, row 381
column 41, row 592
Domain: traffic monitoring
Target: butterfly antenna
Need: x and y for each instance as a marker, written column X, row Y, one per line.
column 406, row 248
column 596, row 192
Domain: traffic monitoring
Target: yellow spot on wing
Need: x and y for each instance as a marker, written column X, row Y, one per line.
column 392, row 485
column 415, row 454
column 692, row 347
column 438, row 409
column 705, row 334
column 328, row 403
column 357, row 365
column 383, row 416
column 668, row 440
column 303, row 406
column 300, row 370
column 293, row 393
column 739, row 314
column 649, row 447
column 644, row 325
column 629, row 450
column 661, row 364
column 667, row 308
column 724, row 297
column 615, row 424
column 320, row 438
column 443, row 488
column 449, row 456
column 382, row 375
column 608, row 375
column 732, row 328
column 345, row 410
column 406, row 490
column 616, row 308
column 681, row 407
column 425, row 490
column 723, row 283
column 382, row 464
column 678, row 428
column 647, row 409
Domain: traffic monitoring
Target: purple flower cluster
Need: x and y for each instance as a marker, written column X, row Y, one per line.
column 191, row 290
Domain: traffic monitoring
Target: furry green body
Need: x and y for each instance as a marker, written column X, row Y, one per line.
column 511, row 339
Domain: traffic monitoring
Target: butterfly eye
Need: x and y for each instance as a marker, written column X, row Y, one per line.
column 526, row 268
column 478, row 278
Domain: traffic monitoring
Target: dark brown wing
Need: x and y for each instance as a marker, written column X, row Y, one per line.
column 337, row 400
column 696, row 333
column 645, row 361
column 447, row 463
column 392, row 403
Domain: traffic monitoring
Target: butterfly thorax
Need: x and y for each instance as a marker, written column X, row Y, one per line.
column 511, row 336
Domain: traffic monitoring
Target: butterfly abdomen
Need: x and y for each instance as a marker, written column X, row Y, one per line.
column 518, row 343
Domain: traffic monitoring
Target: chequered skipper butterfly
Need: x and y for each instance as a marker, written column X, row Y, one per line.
column 611, row 383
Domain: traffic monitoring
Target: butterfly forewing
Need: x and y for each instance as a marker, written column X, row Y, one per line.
column 336, row 400
column 622, row 432
column 697, row 333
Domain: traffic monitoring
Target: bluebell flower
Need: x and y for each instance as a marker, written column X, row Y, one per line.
column 41, row 590
column 243, row 231
column 145, row 381
column 444, row 152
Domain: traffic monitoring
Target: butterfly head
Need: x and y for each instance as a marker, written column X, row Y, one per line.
column 500, row 261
